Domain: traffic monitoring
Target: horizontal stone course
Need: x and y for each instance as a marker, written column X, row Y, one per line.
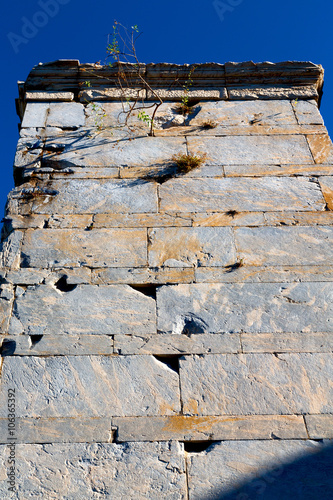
column 245, row 307
column 209, row 428
column 89, row 386
column 256, row 384
column 54, row 248
column 83, row 309
column 241, row 195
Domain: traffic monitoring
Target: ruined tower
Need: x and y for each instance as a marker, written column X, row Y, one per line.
column 167, row 333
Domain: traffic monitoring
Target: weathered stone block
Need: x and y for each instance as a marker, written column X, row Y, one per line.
column 209, row 428
column 58, row 430
column 42, row 309
column 66, row 115
column 142, row 220
column 165, row 344
column 35, row 114
column 279, row 246
column 74, row 248
column 188, row 247
column 48, row 95
column 10, row 250
column 143, row 276
column 256, row 384
column 6, row 305
column 245, row 307
column 307, row 113
column 241, row 195
column 80, row 196
column 93, row 471
column 321, row 148
column 271, row 91
column 319, row 426
column 287, row 342
column 215, row 219
column 326, row 184
column 89, row 386
column 266, row 469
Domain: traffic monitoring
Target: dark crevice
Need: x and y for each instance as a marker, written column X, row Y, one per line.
column 171, row 361
column 35, row 339
column 192, row 324
column 8, row 347
column 148, row 290
column 197, row 446
column 63, row 286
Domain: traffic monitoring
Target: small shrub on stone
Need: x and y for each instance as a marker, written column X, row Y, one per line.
column 187, row 162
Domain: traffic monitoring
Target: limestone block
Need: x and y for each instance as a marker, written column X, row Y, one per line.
column 35, row 114
column 245, row 113
column 307, row 113
column 247, row 307
column 319, row 426
column 42, row 309
column 95, row 471
column 241, row 195
column 56, row 345
column 48, row 95
column 287, row 342
column 89, row 386
column 33, row 276
column 319, row 218
column 6, row 304
column 321, row 148
column 262, row 274
column 272, row 92
column 66, row 115
column 178, row 94
column 209, row 428
column 143, row 275
column 215, row 219
column 277, row 170
column 256, row 384
column 58, row 430
column 28, row 153
column 188, row 247
column 10, row 250
column 245, row 150
column 326, row 184
column 80, row 196
column 58, row 248
column 111, row 93
column 142, row 220
column 266, row 469
column 274, row 246
column 103, row 150
column 164, row 344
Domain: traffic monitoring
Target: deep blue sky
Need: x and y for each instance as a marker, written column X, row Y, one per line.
column 179, row 31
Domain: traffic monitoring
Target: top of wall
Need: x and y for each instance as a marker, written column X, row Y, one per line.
column 66, row 80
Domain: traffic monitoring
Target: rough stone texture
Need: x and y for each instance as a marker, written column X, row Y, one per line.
column 319, row 426
column 287, row 342
column 74, row 248
column 89, row 386
column 272, row 92
column 247, row 307
column 241, row 195
column 245, row 150
column 58, row 430
column 10, row 251
column 204, row 246
column 6, row 305
column 209, row 428
column 285, row 246
column 40, row 310
column 145, row 275
column 35, row 115
column 49, row 96
column 326, row 184
column 96, row 471
column 96, row 196
column 256, row 384
column 66, row 115
column 261, row 469
column 321, row 148
column 307, row 113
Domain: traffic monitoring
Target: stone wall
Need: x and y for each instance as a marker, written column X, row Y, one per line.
column 169, row 334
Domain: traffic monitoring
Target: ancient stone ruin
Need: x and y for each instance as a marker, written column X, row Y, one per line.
column 166, row 332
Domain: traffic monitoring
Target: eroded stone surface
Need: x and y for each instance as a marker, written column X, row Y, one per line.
column 271, row 469
column 66, row 115
column 201, row 246
column 42, row 309
column 307, row 113
column 256, row 384
column 75, row 248
column 89, row 386
column 245, row 307
column 6, row 304
column 241, row 195
column 94, row 471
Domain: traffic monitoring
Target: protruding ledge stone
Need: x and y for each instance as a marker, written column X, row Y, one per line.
column 287, row 342
column 272, row 92
column 58, row 430
column 319, row 426
column 54, row 345
column 49, row 96
column 209, row 428
column 196, row 343
column 141, row 276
